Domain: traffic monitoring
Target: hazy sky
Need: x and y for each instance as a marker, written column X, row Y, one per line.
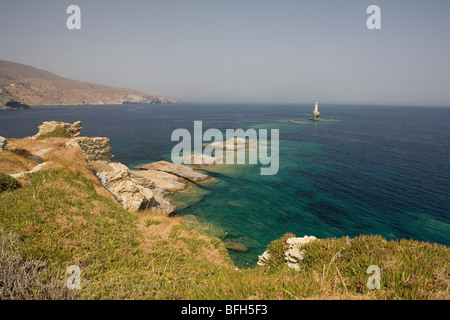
column 241, row 51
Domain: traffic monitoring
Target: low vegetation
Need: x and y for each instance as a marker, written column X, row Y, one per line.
column 58, row 220
column 8, row 183
column 20, row 279
column 59, row 132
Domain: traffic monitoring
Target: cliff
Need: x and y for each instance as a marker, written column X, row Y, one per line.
column 30, row 86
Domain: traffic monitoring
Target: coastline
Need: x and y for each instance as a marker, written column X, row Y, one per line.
column 148, row 249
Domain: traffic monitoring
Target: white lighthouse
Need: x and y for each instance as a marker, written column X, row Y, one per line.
column 316, row 112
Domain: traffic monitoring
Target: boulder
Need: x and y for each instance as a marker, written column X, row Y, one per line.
column 94, row 149
column 71, row 130
column 116, row 178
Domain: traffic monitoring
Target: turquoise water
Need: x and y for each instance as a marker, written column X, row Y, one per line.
column 378, row 170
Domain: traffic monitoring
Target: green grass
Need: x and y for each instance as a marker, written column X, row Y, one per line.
column 152, row 222
column 59, row 218
column 8, row 183
column 57, row 133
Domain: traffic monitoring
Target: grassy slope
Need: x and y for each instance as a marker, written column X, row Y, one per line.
column 58, row 217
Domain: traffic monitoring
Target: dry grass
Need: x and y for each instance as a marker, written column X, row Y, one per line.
column 173, row 232
column 11, row 163
column 20, row 279
column 52, row 151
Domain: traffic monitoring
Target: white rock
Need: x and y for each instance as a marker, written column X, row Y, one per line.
column 293, row 256
column 300, row 241
column 295, row 266
column 2, row 143
column 262, row 259
column 116, row 178
column 179, row 170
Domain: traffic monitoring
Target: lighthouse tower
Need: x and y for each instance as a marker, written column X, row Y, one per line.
column 316, row 112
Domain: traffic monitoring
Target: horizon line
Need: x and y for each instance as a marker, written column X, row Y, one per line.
column 307, row 103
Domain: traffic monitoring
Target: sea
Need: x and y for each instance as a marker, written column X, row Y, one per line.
column 372, row 170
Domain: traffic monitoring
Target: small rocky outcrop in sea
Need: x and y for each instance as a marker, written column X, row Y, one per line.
column 231, row 144
column 293, row 256
column 69, row 130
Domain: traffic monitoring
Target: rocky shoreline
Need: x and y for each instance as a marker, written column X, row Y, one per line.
column 7, row 103
column 149, row 188
column 144, row 189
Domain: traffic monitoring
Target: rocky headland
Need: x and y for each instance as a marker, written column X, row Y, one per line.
column 147, row 189
column 22, row 86
column 8, row 103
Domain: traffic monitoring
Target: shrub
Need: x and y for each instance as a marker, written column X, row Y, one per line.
column 23, row 279
column 8, row 183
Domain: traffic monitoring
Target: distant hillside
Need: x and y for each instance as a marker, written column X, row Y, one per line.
column 30, row 86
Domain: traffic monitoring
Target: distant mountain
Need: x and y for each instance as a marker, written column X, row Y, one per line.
column 22, row 85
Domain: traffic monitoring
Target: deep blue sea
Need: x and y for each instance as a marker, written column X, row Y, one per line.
column 377, row 170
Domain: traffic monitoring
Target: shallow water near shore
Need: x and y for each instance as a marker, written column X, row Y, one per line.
column 378, row 170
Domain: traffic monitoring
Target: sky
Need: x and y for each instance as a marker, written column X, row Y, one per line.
column 255, row 51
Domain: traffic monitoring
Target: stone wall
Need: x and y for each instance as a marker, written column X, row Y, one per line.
column 94, row 149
